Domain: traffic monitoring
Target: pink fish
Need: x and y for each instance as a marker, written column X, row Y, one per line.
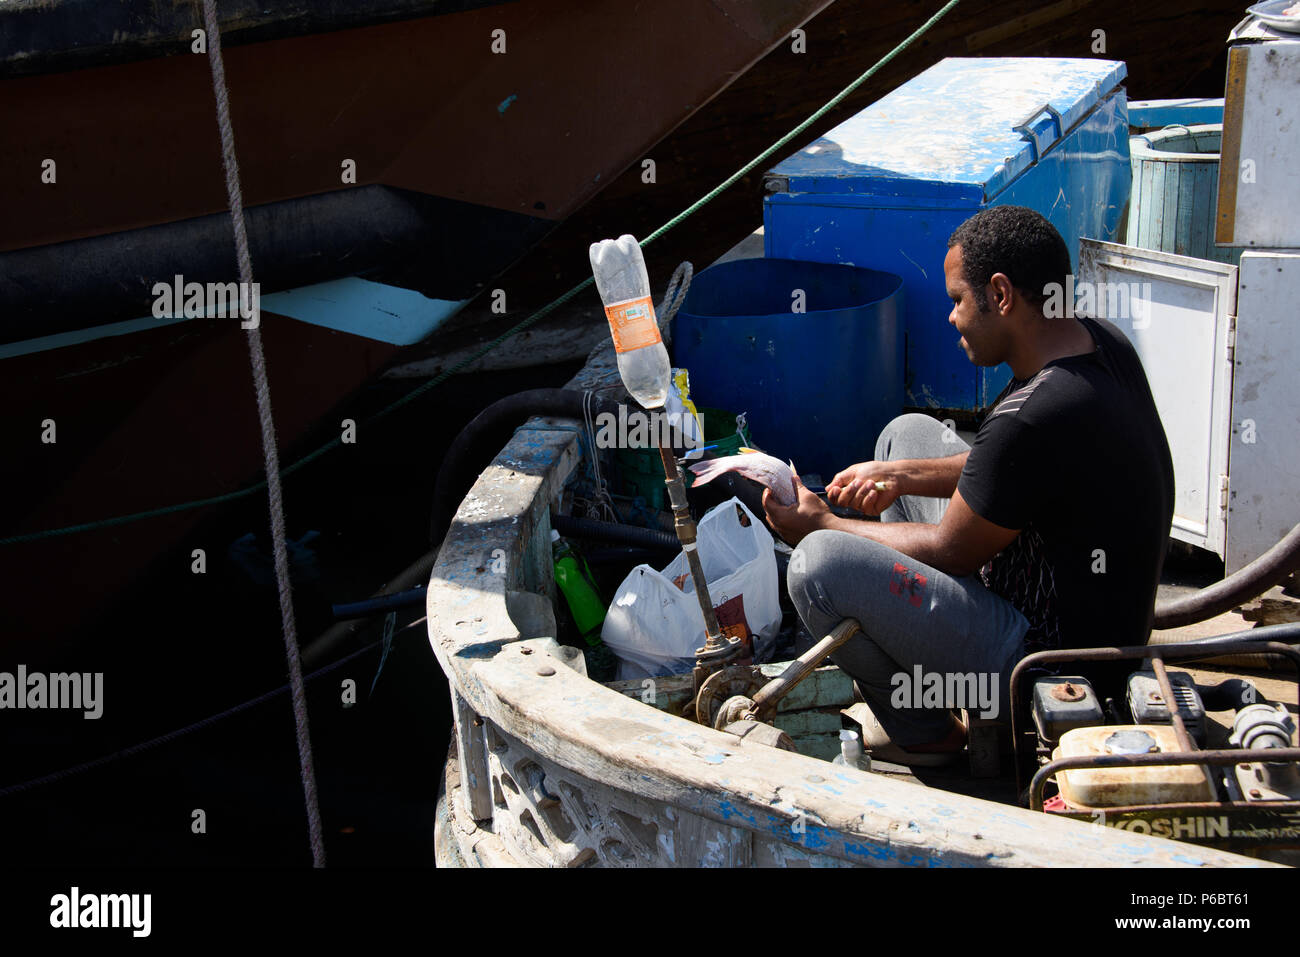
column 754, row 465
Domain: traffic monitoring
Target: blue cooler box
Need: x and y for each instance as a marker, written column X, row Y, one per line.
column 886, row 188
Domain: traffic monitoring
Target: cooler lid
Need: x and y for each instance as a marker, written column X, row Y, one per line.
column 950, row 132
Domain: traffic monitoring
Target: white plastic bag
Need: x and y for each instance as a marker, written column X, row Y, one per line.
column 654, row 626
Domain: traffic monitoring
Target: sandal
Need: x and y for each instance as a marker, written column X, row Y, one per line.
column 876, row 741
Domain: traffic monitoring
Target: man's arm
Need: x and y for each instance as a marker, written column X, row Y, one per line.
column 854, row 487
column 936, row 478
column 959, row 545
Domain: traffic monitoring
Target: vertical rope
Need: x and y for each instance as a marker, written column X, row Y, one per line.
column 270, row 455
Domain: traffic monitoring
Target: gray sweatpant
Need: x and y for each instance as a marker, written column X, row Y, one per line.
column 964, row 638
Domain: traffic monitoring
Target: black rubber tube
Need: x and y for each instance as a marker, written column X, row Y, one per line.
column 610, row 532
column 480, row 441
column 342, row 634
column 294, row 242
column 1255, row 579
column 627, row 557
column 1287, row 633
column 374, row 606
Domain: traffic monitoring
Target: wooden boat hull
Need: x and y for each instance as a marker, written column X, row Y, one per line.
column 477, row 154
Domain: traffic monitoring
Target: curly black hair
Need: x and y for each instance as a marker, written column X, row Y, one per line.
column 1016, row 241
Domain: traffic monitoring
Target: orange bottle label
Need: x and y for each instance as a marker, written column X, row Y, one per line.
column 633, row 324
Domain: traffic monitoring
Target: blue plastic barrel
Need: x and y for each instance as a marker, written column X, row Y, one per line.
column 816, row 385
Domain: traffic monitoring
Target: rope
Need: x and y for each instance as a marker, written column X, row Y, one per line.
column 681, row 282
column 270, row 454
column 170, row 736
column 600, row 506
column 508, row 334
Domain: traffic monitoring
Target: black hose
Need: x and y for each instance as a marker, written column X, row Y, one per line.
column 483, row 437
column 1255, row 579
column 1287, row 633
column 610, row 532
column 376, row 230
column 626, row 557
column 1231, row 694
column 383, row 603
column 342, row 633
column 480, row 441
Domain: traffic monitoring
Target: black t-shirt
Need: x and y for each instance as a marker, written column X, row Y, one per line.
column 1075, row 458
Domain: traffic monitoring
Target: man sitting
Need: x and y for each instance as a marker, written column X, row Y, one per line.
column 1049, row 532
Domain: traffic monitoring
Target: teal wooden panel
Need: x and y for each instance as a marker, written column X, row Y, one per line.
column 1186, row 209
column 1201, row 239
column 1132, row 226
column 1144, row 211
column 1130, row 215
column 1169, row 224
column 1156, row 210
column 822, row 721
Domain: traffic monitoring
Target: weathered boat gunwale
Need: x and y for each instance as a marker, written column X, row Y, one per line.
column 785, row 807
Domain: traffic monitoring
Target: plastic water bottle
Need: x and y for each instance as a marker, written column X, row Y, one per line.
column 624, row 287
column 574, row 579
column 851, row 753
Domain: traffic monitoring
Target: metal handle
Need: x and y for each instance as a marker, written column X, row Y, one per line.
column 1024, row 129
column 766, row 700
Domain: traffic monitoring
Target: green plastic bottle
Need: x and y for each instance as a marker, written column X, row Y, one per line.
column 574, row 578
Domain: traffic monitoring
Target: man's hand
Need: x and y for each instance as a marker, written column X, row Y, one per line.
column 855, row 487
column 793, row 522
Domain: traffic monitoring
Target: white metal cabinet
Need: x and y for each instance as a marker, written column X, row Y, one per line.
column 1264, row 501
column 1180, row 314
column 1259, row 204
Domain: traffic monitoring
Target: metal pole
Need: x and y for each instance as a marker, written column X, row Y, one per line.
column 717, row 649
